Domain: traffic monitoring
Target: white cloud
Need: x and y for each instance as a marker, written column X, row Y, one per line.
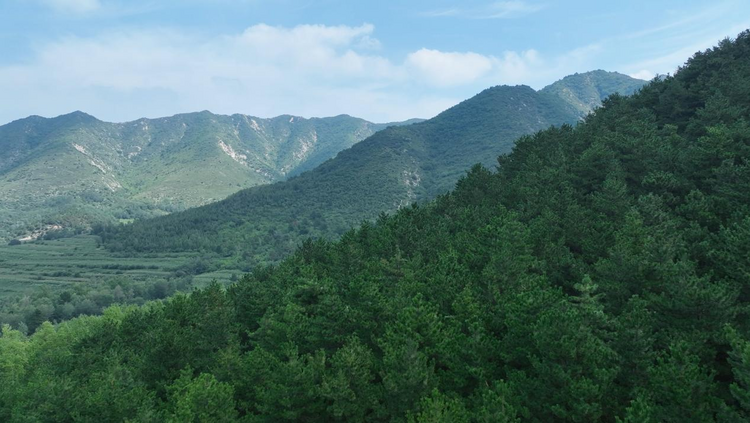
column 494, row 10
column 667, row 59
column 448, row 69
column 146, row 59
column 330, row 51
column 451, row 69
column 519, row 68
column 510, row 9
column 264, row 70
column 644, row 74
column 442, row 12
column 308, row 70
column 73, row 6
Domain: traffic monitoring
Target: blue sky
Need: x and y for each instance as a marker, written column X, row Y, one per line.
column 381, row 60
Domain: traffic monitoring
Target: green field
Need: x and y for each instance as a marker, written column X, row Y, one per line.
column 56, row 280
column 61, row 263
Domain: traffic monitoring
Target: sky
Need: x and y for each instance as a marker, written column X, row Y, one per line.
column 384, row 60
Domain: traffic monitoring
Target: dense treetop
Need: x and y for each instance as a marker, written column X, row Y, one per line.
column 601, row 274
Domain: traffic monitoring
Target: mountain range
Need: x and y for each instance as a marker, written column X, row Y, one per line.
column 390, row 170
column 600, row 273
column 75, row 170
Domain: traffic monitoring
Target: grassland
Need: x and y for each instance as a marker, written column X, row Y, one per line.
column 63, row 263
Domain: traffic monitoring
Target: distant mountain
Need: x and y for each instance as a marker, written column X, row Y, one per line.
column 75, row 170
column 389, row 170
column 600, row 274
column 585, row 91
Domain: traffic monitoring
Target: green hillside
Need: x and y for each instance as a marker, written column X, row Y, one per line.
column 74, row 170
column 44, row 270
column 601, row 274
column 585, row 91
column 389, row 170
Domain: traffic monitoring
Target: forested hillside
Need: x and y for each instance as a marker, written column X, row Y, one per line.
column 391, row 169
column 585, row 91
column 67, row 173
column 601, row 274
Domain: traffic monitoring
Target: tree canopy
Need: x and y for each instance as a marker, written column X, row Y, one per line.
column 601, row 274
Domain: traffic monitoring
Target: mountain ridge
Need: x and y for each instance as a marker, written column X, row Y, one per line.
column 599, row 274
column 149, row 167
column 584, row 91
column 387, row 171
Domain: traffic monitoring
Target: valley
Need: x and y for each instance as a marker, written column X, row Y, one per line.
column 543, row 248
column 389, row 170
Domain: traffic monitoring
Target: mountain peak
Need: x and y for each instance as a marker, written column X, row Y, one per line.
column 597, row 73
column 76, row 117
column 585, row 91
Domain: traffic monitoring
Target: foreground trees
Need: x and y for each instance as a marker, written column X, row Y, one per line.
column 601, row 274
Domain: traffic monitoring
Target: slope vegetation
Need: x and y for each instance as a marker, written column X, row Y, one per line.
column 600, row 275
column 585, row 91
column 389, row 170
column 74, row 170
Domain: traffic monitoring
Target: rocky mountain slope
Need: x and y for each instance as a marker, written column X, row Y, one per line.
column 75, row 170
